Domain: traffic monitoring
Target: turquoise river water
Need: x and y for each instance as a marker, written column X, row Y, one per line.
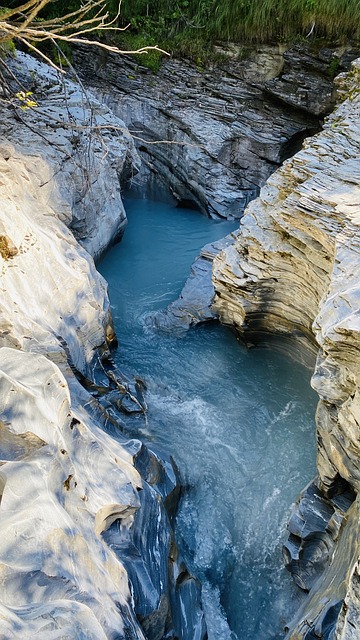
column 239, row 423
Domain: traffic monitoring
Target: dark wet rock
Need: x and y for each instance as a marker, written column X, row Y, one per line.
column 330, row 611
column 163, row 605
column 159, row 469
column 144, row 550
column 128, row 394
column 314, row 529
column 188, row 621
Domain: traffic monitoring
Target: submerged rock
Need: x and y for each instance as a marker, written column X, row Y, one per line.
column 294, row 270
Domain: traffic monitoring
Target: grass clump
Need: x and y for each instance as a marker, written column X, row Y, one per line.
column 266, row 20
column 136, row 40
column 191, row 27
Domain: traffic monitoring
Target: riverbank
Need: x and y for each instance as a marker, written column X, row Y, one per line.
column 67, row 470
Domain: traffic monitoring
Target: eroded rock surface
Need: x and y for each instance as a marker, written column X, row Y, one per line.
column 314, row 529
column 194, row 304
column 228, row 128
column 67, row 474
column 294, row 269
column 56, row 571
column 88, row 151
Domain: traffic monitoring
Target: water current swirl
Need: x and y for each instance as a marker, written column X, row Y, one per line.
column 239, row 423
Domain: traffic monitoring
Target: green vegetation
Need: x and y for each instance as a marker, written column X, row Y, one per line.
column 132, row 41
column 187, row 28
column 60, row 24
column 334, row 67
column 191, row 27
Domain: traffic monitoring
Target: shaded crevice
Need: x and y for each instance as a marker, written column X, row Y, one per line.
column 294, row 144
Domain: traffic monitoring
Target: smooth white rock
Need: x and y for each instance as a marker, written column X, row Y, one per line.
column 63, row 480
column 87, row 149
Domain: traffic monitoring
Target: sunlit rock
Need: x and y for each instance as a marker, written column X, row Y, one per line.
column 210, row 137
column 87, row 150
column 68, row 476
column 56, row 571
column 53, row 300
column 294, row 270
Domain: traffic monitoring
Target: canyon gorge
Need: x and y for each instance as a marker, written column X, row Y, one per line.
column 84, row 506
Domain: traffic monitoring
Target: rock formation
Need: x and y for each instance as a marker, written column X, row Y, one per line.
column 228, row 127
column 294, row 270
column 82, row 143
column 194, row 304
column 75, row 493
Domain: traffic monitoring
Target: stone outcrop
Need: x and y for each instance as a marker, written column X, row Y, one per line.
column 74, row 491
column 227, row 128
column 88, row 151
column 194, row 304
column 314, row 529
column 294, row 270
column 57, row 573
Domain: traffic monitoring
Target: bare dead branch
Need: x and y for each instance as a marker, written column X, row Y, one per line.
column 73, row 27
column 6, row 15
column 40, row 53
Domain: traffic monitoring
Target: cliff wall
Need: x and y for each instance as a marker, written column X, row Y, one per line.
column 68, row 475
column 226, row 128
column 88, row 151
column 294, row 270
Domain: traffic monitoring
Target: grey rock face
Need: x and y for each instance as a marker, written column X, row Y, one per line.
column 332, row 607
column 227, row 128
column 194, row 305
column 88, row 151
column 68, row 475
column 314, row 529
column 53, row 300
column 294, row 270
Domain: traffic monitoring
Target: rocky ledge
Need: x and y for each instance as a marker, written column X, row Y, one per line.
column 294, row 270
column 211, row 138
column 86, row 548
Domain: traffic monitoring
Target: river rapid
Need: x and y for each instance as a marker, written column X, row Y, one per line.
column 239, row 423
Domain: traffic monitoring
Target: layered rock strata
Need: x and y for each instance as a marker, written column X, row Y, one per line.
column 68, row 476
column 294, row 270
column 212, row 137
